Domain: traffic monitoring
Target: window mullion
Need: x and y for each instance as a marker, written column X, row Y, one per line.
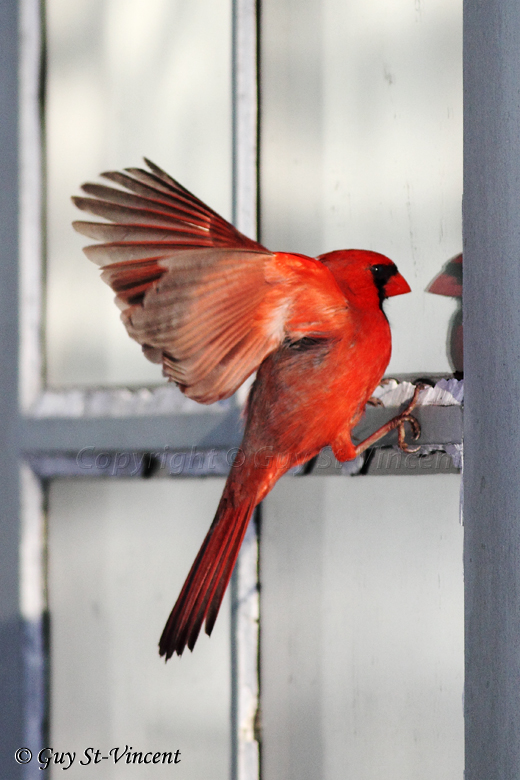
column 245, row 586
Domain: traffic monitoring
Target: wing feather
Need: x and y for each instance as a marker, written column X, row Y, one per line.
column 154, row 198
column 138, row 233
column 206, row 301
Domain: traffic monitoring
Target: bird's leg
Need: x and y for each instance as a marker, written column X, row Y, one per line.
column 397, row 422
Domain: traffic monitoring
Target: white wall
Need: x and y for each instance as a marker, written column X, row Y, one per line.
column 362, row 629
column 119, row 552
column 126, row 79
column 362, row 146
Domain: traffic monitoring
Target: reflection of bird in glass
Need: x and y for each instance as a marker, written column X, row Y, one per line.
column 214, row 306
column 449, row 282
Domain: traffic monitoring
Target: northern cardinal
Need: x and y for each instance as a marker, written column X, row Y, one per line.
column 213, row 306
column 449, row 283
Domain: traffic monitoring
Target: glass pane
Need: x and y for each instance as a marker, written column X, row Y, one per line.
column 126, row 78
column 362, row 629
column 362, row 146
column 118, row 555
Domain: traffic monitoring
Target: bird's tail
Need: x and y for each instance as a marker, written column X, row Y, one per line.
column 209, row 576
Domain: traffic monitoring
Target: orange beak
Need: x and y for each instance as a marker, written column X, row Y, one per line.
column 396, row 285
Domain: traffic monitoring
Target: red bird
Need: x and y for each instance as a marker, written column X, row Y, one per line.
column 213, row 306
column 449, row 283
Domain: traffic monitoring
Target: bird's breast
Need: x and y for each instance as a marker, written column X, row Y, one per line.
column 310, row 390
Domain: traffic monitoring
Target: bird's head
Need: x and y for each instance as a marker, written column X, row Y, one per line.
column 365, row 277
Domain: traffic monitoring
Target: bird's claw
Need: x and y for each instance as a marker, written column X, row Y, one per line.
column 406, row 417
column 401, row 433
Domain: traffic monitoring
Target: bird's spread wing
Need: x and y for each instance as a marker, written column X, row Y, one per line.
column 156, row 213
column 202, row 299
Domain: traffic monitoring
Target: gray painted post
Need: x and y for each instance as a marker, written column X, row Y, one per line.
column 492, row 392
column 11, row 683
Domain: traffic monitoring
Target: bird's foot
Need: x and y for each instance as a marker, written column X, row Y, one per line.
column 398, row 422
column 401, row 432
column 374, row 401
column 407, row 417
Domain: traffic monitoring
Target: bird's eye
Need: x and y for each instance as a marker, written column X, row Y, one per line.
column 382, row 272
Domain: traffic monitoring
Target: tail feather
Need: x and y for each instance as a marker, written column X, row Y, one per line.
column 205, row 585
column 210, row 597
column 221, row 585
column 188, row 610
column 223, row 554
